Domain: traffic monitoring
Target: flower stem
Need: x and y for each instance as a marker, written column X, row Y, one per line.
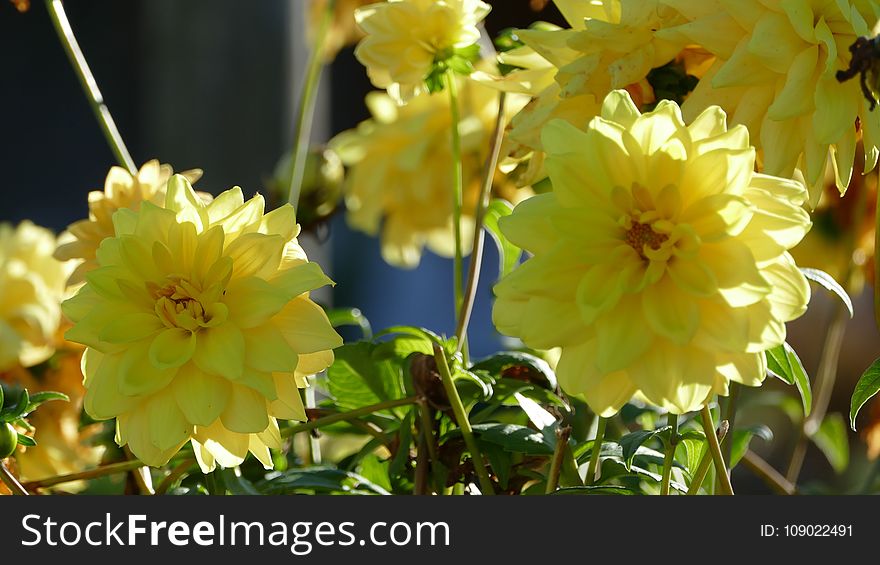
column 350, row 415
column 476, row 262
column 705, row 461
column 306, row 112
column 179, row 471
column 670, row 454
column 768, row 474
column 89, row 85
column 462, row 420
column 458, row 189
column 593, row 467
column 11, row 482
column 111, row 469
column 715, row 450
column 562, row 435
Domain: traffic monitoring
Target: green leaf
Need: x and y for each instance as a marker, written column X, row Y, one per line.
column 518, row 365
column 17, row 410
column 784, row 364
column 537, row 415
column 516, row 439
column 596, row 489
column 26, row 441
column 376, row 471
column 827, row 281
column 867, row 387
column 39, row 398
column 350, row 317
column 397, row 465
column 500, row 461
column 356, row 379
column 693, row 452
column 327, row 480
column 742, row 438
column 508, row 253
column 2, row 395
column 631, row 442
column 832, row 440
column 460, row 65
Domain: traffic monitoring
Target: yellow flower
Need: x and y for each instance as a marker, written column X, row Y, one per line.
column 62, row 445
column 776, row 75
column 400, row 177
column 31, row 287
column 343, row 30
column 611, row 44
column 121, row 190
column 199, row 327
column 660, row 261
column 404, row 38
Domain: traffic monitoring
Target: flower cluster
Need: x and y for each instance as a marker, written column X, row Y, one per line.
column 667, row 255
column 198, row 327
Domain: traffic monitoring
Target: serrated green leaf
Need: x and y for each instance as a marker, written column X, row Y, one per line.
column 350, row 317
column 508, row 253
column 376, row 471
column 866, row 388
column 827, row 281
column 784, row 364
column 831, row 438
column 518, row 365
column 742, row 437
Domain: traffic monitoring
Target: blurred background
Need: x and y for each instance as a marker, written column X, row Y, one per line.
column 213, row 84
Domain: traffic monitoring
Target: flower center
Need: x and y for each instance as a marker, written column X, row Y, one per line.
column 640, row 235
column 179, row 304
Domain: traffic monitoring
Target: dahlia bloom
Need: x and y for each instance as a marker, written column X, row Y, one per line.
column 198, row 327
column 399, row 161
column 121, row 190
column 611, row 44
column 404, row 39
column 32, row 285
column 660, row 262
column 775, row 73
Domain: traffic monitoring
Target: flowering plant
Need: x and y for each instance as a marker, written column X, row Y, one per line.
column 662, row 179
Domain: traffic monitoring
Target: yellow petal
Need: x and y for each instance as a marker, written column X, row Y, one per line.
column 221, row 351
column 201, row 397
column 172, row 348
column 246, row 411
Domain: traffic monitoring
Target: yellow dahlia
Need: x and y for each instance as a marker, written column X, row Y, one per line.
column 404, row 39
column 198, row 327
column 775, row 73
column 399, row 183
column 32, row 285
column 63, row 446
column 121, row 190
column 660, row 261
column 611, row 44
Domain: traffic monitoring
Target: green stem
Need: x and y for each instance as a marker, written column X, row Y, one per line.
column 715, row 450
column 11, row 482
column 315, row 457
column 89, row 85
column 462, row 420
column 307, row 101
column 562, row 435
column 458, row 189
column 476, row 262
column 593, row 467
column 111, row 469
column 768, row 474
column 179, row 471
column 215, row 483
column 670, row 454
column 705, row 462
column 350, row 415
